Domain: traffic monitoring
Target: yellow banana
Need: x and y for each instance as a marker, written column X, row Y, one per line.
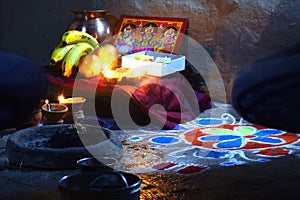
column 75, row 36
column 71, row 59
column 59, row 53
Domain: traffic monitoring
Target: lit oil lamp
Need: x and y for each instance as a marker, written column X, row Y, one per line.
column 111, row 76
column 53, row 112
column 74, row 105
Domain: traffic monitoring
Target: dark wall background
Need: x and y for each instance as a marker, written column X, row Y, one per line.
column 33, row 27
column 234, row 32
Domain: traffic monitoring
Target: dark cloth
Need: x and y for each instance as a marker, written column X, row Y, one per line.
column 22, row 86
column 267, row 92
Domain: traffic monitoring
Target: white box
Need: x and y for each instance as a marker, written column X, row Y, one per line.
column 159, row 69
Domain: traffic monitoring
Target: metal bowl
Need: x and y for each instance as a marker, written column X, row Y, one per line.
column 100, row 185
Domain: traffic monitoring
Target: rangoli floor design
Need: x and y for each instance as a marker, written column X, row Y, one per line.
column 206, row 142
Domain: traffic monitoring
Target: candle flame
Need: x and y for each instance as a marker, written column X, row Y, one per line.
column 46, row 101
column 61, row 98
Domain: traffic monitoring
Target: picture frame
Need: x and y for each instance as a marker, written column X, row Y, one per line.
column 140, row 33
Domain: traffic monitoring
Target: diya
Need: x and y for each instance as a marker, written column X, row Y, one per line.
column 54, row 113
column 74, row 105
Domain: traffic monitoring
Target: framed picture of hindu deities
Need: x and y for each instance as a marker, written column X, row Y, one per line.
column 140, row 33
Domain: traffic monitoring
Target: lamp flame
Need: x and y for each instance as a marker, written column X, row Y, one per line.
column 48, row 106
column 109, row 74
column 61, row 98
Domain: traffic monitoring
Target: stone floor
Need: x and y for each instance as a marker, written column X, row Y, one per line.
column 279, row 179
column 275, row 179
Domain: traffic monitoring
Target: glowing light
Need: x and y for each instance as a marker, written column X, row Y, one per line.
column 111, row 74
column 61, row 98
column 48, row 105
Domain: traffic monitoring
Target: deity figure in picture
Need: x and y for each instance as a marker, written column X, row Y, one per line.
column 148, row 33
column 167, row 39
column 125, row 39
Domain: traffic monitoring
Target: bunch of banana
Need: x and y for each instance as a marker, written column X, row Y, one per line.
column 73, row 45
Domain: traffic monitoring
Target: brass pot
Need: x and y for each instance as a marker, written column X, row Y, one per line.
column 92, row 22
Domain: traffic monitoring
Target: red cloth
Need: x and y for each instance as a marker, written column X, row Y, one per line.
column 180, row 101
